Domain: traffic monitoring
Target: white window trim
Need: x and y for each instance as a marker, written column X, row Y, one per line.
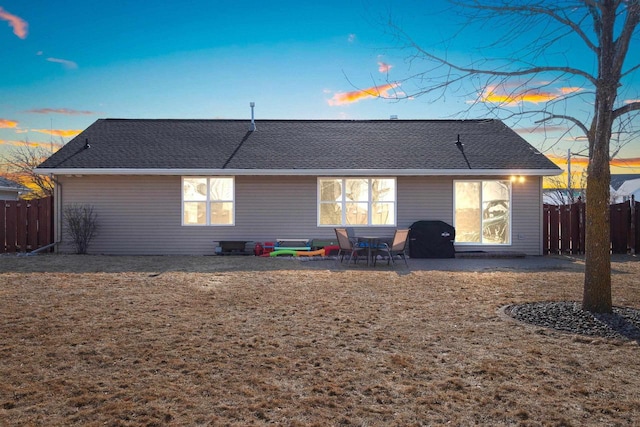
column 208, row 202
column 343, row 201
column 481, row 243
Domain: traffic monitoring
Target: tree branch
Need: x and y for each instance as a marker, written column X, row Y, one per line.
column 624, row 39
column 551, row 116
column 476, row 71
column 627, row 108
column 630, row 70
column 528, row 10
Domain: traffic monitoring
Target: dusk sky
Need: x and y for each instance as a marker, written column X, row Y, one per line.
column 68, row 63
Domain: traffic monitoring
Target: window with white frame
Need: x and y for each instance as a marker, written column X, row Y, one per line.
column 208, row 201
column 357, row 201
column 483, row 212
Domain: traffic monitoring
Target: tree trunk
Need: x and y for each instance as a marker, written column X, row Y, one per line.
column 597, row 278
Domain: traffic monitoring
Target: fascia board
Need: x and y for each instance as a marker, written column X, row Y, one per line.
column 300, row 172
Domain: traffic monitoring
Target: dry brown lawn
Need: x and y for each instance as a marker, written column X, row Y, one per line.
column 209, row 341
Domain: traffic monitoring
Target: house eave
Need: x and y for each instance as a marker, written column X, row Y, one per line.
column 300, row 172
column 14, row 189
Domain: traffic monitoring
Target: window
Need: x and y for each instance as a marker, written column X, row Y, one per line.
column 483, row 212
column 356, row 201
column 207, row 201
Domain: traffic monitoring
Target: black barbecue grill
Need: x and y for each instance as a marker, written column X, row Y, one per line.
column 431, row 239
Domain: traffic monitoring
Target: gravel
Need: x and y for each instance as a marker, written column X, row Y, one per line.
column 568, row 316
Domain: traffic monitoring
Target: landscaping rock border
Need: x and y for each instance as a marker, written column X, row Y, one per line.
column 568, row 316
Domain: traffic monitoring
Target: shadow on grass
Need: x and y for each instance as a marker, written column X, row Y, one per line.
column 155, row 265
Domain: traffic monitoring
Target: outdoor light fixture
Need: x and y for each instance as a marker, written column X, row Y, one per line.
column 520, row 179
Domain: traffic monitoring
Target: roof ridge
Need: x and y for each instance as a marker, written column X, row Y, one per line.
column 488, row 120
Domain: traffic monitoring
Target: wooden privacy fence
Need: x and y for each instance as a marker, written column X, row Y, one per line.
column 564, row 228
column 25, row 225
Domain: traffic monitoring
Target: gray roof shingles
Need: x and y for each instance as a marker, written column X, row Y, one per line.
column 9, row 184
column 297, row 144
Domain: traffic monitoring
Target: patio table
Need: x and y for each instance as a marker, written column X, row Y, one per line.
column 372, row 243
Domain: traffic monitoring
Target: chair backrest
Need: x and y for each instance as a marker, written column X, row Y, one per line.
column 400, row 239
column 343, row 238
column 351, row 232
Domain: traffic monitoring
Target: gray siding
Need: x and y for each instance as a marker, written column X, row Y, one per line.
column 142, row 214
column 431, row 198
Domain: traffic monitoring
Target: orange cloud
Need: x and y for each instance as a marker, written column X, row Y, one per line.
column 496, row 95
column 631, row 162
column 65, row 133
column 7, row 124
column 19, row 25
column 583, row 162
column 60, row 111
column 570, row 90
column 383, row 67
column 358, row 95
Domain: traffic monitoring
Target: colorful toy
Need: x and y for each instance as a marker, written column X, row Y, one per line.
column 310, row 253
column 283, row 252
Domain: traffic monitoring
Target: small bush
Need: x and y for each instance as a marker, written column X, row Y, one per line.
column 81, row 225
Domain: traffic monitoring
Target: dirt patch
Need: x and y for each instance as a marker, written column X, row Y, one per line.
column 247, row 341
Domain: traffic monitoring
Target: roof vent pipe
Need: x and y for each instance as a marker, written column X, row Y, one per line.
column 252, row 127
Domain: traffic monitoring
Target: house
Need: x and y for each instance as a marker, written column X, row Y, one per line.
column 11, row 190
column 177, row 186
column 628, row 189
column 622, row 187
column 618, row 179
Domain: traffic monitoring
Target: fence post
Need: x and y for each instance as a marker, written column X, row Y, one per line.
column 22, row 225
column 574, row 218
column 619, row 226
column 11, row 221
column 32, row 224
column 582, row 208
column 545, row 228
column 633, row 226
column 554, row 230
column 3, row 227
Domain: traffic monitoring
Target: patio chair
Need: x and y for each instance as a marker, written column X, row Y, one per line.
column 397, row 248
column 347, row 246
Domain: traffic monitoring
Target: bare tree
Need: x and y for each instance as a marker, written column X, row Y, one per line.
column 602, row 31
column 561, row 192
column 19, row 165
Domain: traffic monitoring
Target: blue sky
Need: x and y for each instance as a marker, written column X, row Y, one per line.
column 67, row 63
